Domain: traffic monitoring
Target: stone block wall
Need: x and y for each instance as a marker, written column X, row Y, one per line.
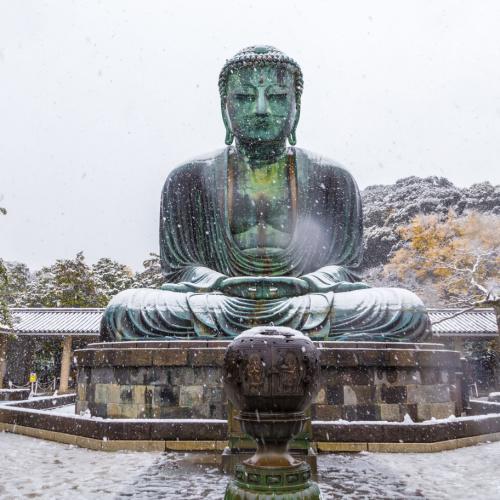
column 360, row 381
column 385, row 382
column 388, row 394
column 166, row 382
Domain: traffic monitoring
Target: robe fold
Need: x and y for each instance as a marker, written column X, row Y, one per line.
column 198, row 251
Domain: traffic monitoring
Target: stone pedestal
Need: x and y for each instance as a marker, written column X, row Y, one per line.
column 182, row 379
column 169, row 379
column 386, row 381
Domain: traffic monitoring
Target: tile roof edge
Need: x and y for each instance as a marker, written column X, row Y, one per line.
column 458, row 309
column 56, row 309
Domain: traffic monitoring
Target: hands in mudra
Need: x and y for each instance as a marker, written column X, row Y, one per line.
column 263, row 287
column 249, row 287
column 274, row 287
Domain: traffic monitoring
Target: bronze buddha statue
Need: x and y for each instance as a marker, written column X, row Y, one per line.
column 262, row 233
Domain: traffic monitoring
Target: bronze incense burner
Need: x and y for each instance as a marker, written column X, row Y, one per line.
column 272, row 374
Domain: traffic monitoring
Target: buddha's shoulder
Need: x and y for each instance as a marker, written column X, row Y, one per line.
column 201, row 161
column 321, row 164
column 195, row 166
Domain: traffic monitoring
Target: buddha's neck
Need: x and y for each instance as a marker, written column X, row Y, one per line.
column 256, row 154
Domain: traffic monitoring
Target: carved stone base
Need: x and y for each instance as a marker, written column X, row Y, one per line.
column 151, row 380
column 385, row 382
column 182, row 379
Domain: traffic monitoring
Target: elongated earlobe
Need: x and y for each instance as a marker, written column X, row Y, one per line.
column 292, row 136
column 229, row 133
column 229, row 137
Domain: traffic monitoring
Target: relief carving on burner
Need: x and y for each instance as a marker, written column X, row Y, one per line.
column 289, row 373
column 254, row 374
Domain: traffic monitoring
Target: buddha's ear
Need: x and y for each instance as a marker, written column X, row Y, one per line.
column 229, row 133
column 292, row 137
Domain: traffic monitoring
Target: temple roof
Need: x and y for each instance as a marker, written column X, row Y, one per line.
column 84, row 322
column 57, row 321
column 479, row 322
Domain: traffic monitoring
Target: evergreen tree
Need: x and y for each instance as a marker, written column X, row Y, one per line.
column 112, row 277
column 67, row 283
column 152, row 276
column 5, row 318
column 19, row 278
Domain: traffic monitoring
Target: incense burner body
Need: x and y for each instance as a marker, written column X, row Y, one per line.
column 271, row 370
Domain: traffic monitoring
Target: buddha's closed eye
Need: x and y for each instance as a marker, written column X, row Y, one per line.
column 244, row 97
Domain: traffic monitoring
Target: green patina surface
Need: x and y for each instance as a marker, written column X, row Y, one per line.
column 261, row 232
column 277, row 483
column 262, row 214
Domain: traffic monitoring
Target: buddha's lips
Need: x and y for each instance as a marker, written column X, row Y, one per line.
column 261, row 122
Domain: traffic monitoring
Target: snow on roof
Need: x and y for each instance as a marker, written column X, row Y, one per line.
column 480, row 322
column 52, row 321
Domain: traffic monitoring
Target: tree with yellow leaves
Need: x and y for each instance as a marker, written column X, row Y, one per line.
column 453, row 261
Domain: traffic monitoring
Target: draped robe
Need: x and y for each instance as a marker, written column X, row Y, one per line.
column 198, row 251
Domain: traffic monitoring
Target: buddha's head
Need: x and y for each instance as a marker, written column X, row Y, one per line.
column 260, row 89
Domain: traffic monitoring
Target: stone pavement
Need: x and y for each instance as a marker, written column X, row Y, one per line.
column 34, row 468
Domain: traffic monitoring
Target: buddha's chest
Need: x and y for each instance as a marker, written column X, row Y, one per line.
column 261, row 206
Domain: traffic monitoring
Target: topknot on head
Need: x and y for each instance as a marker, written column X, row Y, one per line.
column 261, row 55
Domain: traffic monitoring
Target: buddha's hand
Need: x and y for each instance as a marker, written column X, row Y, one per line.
column 339, row 287
column 264, row 287
column 347, row 286
column 176, row 287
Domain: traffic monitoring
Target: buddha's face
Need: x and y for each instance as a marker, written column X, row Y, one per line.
column 261, row 103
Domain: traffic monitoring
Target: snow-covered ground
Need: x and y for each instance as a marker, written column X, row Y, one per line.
column 33, row 468
column 63, row 410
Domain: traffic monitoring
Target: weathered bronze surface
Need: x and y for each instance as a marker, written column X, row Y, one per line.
column 272, row 375
column 272, row 370
column 260, row 233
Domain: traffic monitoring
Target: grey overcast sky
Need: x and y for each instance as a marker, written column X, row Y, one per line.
column 99, row 100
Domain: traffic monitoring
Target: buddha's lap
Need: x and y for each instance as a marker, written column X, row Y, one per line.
column 382, row 299
column 376, row 314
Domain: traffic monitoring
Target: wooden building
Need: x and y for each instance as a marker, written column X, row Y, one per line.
column 70, row 327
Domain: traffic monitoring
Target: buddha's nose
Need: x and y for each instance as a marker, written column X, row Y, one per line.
column 262, row 108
